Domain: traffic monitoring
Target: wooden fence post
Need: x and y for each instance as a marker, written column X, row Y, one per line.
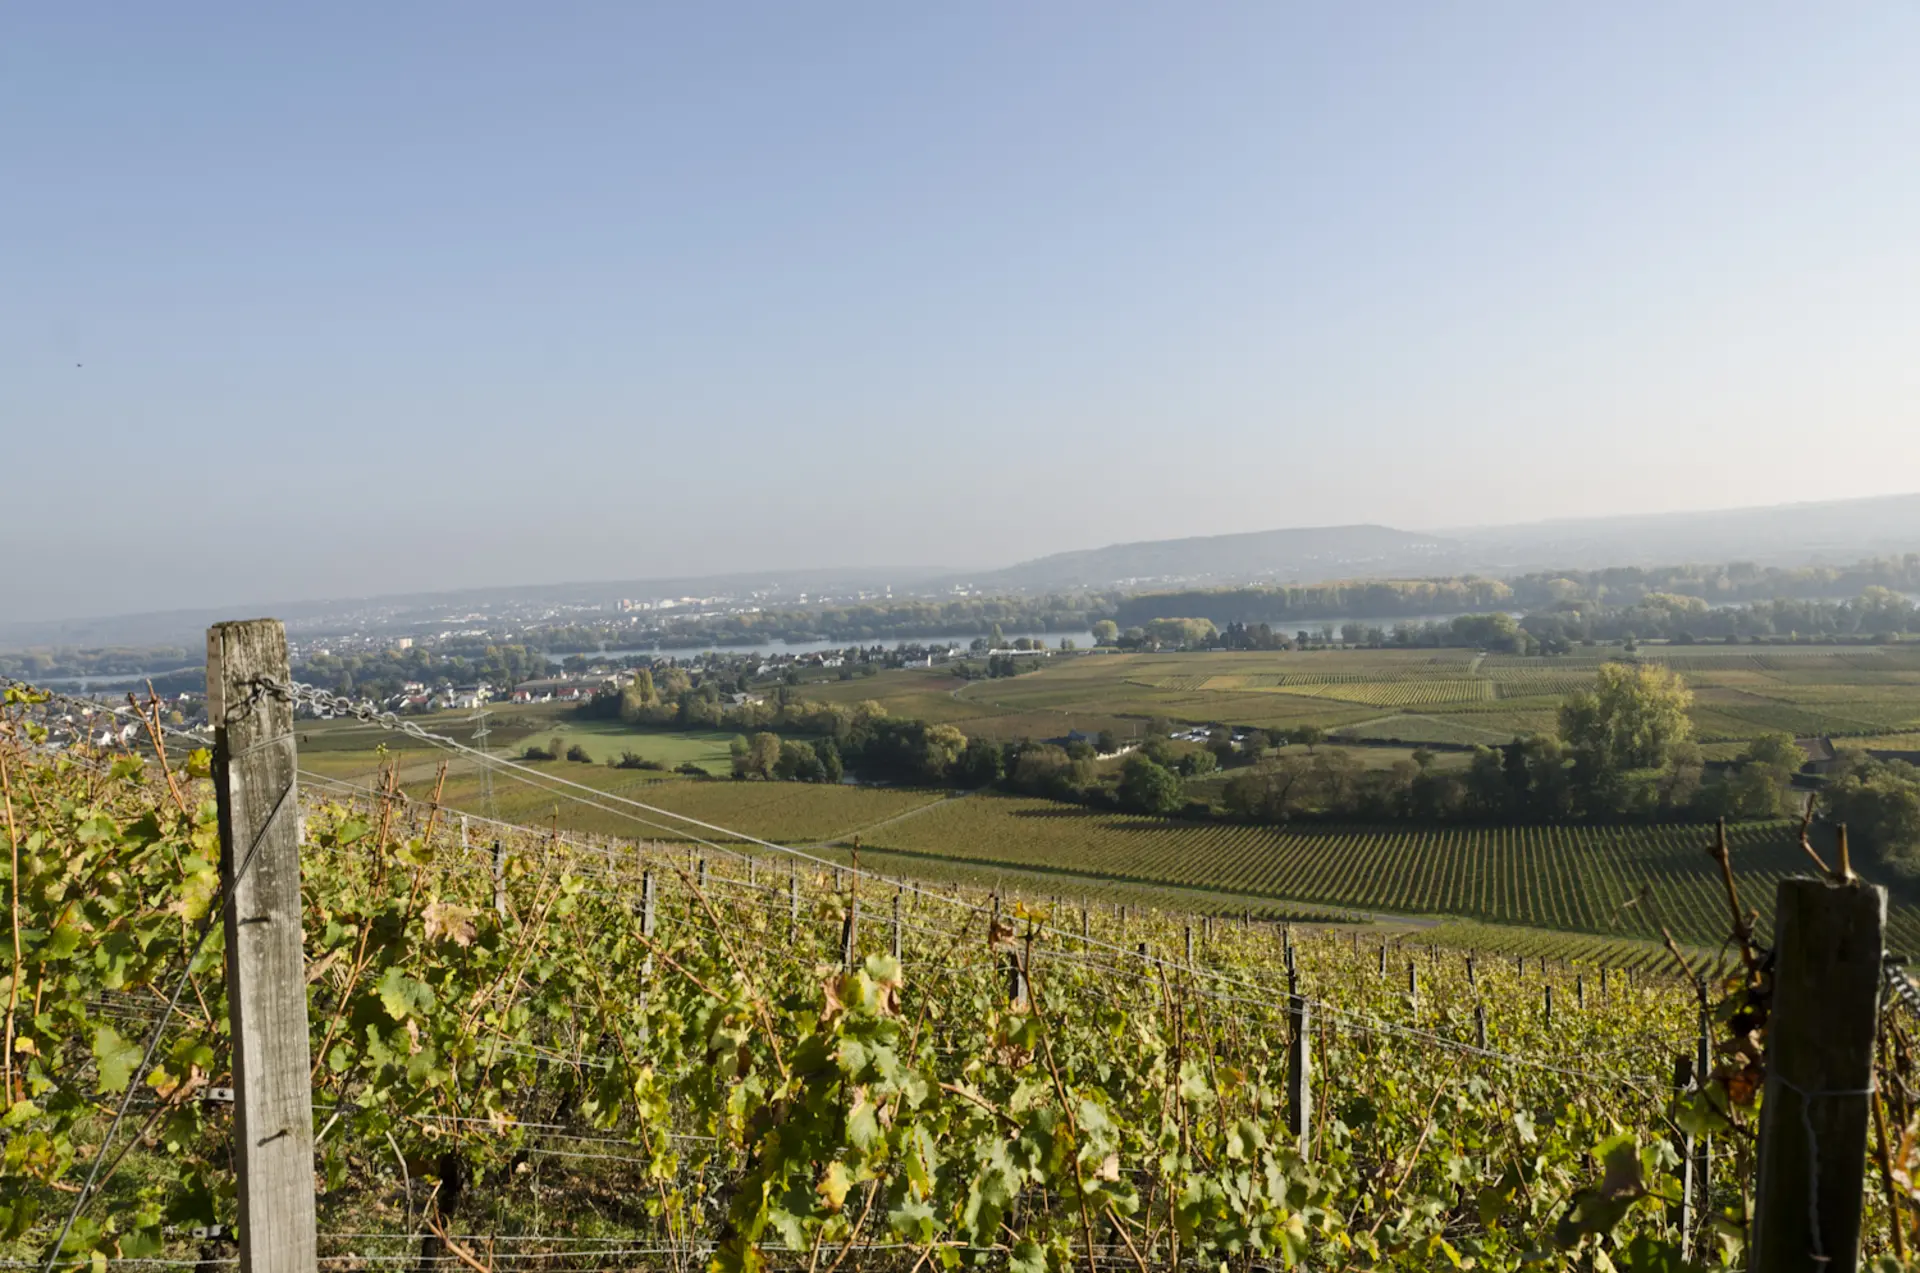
column 1828, row 945
column 1473, row 982
column 896, row 923
column 499, row 879
column 793, row 904
column 647, row 920
column 850, row 930
column 1680, row 1210
column 1480, row 1026
column 1703, row 1145
column 254, row 767
column 1299, row 1068
column 1547, row 1010
column 1189, row 945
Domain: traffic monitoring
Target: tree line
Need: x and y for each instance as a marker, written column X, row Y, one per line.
column 1876, row 615
column 1611, row 588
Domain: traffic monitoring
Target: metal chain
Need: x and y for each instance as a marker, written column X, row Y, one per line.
column 1900, row 985
column 327, row 703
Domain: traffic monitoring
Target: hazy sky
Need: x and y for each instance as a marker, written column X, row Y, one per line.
column 352, row 297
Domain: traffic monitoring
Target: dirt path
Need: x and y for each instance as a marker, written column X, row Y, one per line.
column 887, row 822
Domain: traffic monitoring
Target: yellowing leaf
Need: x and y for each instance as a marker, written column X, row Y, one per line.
column 834, row 1185
column 447, row 922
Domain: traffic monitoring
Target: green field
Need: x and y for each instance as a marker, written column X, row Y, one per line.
column 608, row 740
column 1410, row 696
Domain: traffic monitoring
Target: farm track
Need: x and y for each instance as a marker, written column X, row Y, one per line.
column 844, row 836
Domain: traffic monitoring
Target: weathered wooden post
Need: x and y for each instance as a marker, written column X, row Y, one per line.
column 1680, row 1210
column 1473, row 981
column 793, row 905
column 1547, row 1009
column 1702, row 1069
column 1189, row 945
column 254, row 767
column 648, row 910
column 499, row 879
column 1413, row 984
column 1016, row 976
column 850, row 930
column 1299, row 1068
column 1383, row 956
column 895, row 945
column 1828, row 944
column 1580, row 991
column 1480, row 1026
column 703, row 876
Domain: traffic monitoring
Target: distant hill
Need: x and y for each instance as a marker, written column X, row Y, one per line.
column 1300, row 553
column 1828, row 532
column 1835, row 531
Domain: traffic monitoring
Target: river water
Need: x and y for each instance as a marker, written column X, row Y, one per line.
column 1081, row 640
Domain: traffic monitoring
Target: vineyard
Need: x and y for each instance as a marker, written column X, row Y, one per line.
column 524, row 1049
column 1623, row 881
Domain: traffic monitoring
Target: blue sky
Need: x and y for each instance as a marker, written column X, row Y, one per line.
column 369, row 297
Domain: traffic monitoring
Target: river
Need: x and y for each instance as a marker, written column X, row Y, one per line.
column 1081, row 640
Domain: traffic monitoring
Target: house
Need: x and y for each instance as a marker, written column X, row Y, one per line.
column 1820, row 754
